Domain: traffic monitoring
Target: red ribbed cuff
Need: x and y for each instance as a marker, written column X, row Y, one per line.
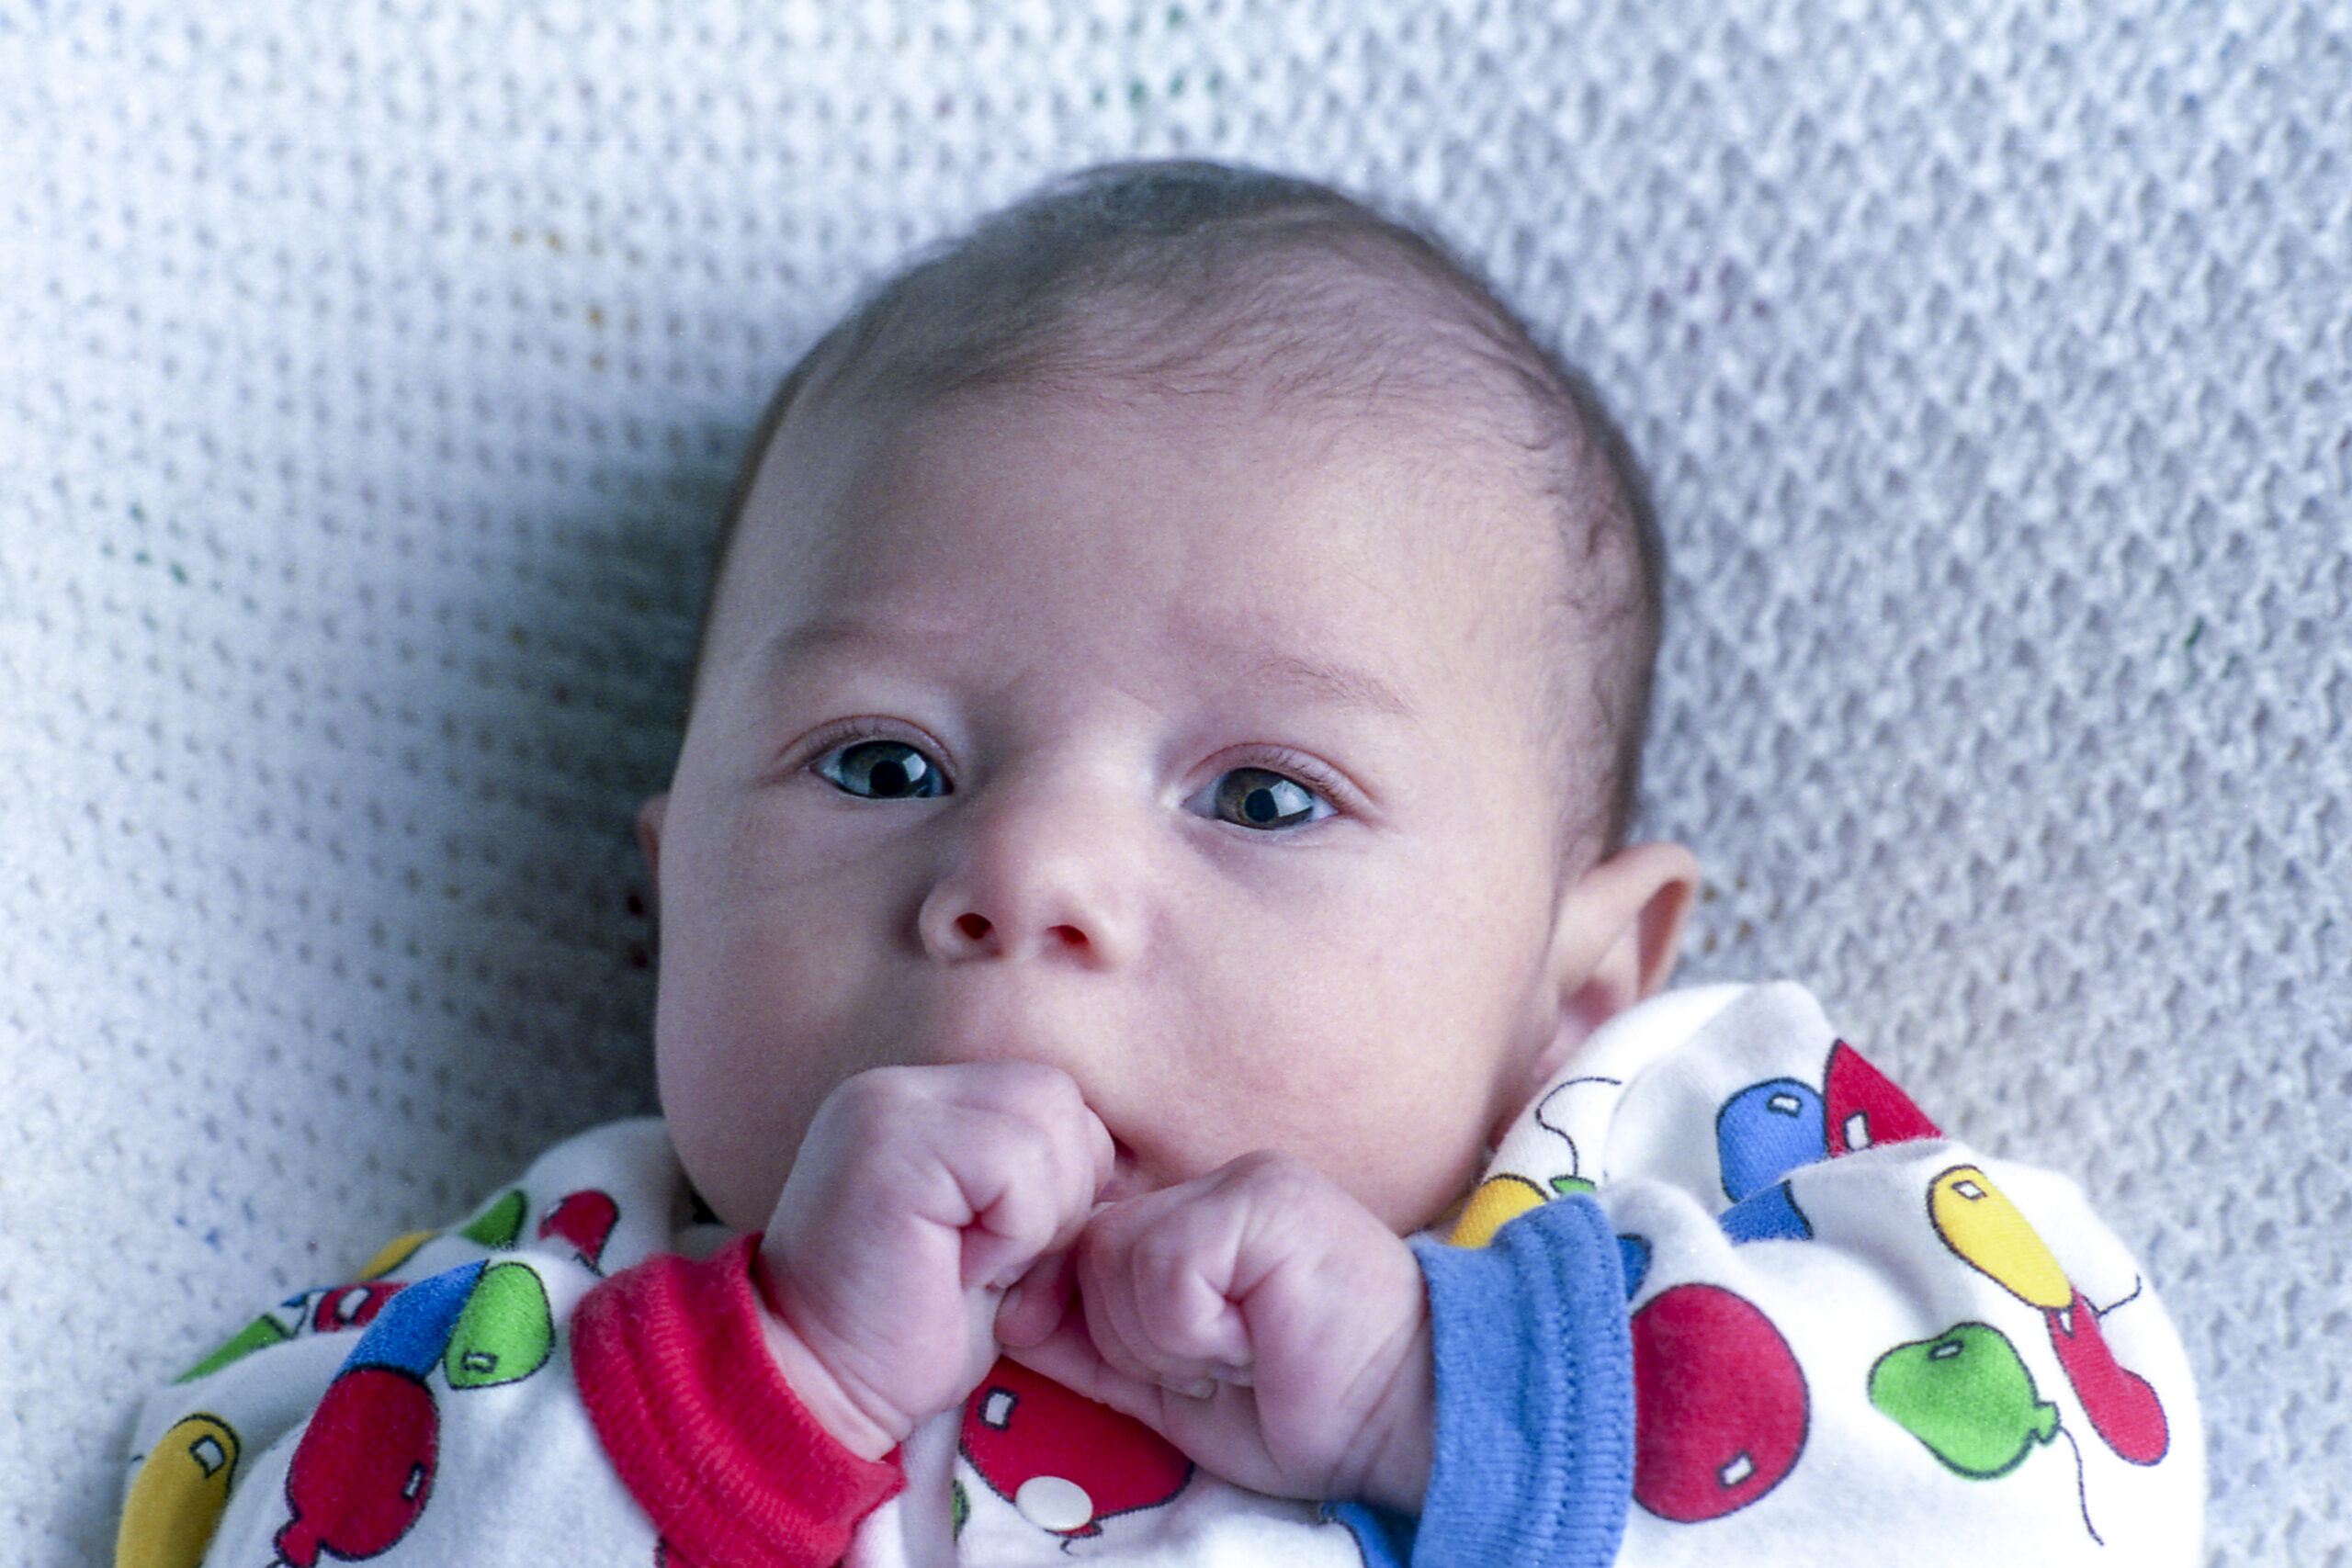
column 673, row 1363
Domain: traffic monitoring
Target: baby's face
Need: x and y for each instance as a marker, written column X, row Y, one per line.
column 1189, row 749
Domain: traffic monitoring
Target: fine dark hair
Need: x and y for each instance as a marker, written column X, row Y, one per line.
column 1178, row 275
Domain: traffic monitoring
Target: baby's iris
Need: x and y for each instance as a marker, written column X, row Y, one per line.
column 881, row 770
column 1256, row 797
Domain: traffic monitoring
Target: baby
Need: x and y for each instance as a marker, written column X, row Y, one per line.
column 1150, row 834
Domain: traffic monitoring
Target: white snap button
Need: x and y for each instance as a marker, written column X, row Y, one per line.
column 1053, row 1504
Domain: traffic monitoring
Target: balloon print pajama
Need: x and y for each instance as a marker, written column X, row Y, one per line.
column 1726, row 1294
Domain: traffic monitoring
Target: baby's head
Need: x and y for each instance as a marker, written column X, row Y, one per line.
column 1188, row 633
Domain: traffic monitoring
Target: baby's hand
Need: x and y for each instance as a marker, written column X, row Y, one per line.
column 1265, row 1323
column 920, row 1196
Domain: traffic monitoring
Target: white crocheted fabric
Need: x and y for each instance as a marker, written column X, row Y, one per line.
column 369, row 375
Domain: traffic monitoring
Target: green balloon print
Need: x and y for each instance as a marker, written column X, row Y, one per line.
column 498, row 1226
column 1968, row 1397
column 505, row 1331
column 258, row 1335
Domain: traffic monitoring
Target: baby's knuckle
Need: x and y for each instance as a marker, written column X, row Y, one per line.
column 1029, row 1089
column 1057, row 1091
column 1270, row 1173
column 1158, row 1258
column 870, row 1101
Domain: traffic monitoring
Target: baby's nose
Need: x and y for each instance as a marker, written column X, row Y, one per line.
column 1031, row 879
column 972, row 934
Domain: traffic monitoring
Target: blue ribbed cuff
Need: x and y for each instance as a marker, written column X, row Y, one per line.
column 1535, row 1394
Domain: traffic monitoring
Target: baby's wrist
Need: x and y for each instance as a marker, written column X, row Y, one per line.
column 1396, row 1473
column 1398, row 1478
column 813, row 1384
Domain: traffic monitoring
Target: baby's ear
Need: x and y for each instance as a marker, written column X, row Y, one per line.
column 649, row 834
column 1620, row 932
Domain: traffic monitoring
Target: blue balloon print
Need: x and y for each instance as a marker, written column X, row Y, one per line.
column 1634, row 1253
column 1765, row 1131
column 413, row 1328
column 1770, row 1215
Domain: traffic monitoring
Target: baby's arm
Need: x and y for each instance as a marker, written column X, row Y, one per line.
column 921, row 1196
column 1263, row 1321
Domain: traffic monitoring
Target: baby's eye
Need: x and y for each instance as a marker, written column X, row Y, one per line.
column 881, row 770
column 1259, row 798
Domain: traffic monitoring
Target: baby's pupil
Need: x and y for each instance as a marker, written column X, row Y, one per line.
column 884, row 770
column 889, row 777
column 1259, row 804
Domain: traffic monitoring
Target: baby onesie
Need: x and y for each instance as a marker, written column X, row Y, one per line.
column 1726, row 1294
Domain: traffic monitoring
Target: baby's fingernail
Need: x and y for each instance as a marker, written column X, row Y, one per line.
column 1009, row 1308
column 1203, row 1389
column 1238, row 1376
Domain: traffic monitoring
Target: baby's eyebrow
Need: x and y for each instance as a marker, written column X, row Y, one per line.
column 1320, row 680
column 1344, row 684
column 812, row 638
column 824, row 635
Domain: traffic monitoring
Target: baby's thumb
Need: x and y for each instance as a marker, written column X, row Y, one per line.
column 1036, row 1302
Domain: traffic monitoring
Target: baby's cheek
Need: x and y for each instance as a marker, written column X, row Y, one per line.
column 734, row 1132
column 722, row 1159
column 1407, row 1158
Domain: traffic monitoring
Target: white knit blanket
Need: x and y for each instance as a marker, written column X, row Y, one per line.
column 369, row 374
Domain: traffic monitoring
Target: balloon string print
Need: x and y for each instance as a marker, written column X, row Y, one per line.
column 1502, row 1198
column 2083, row 1489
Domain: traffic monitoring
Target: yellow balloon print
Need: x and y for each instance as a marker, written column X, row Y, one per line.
column 178, row 1496
column 1978, row 1222
column 395, row 1252
column 1499, row 1201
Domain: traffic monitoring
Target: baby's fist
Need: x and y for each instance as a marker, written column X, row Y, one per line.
column 1268, row 1325
column 919, row 1197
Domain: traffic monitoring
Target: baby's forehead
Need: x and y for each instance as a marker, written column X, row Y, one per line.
column 1442, row 476
column 1246, row 528
column 1409, row 481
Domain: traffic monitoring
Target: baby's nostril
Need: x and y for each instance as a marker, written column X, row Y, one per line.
column 974, row 927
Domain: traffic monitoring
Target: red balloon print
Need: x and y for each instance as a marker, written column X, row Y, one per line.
column 353, row 1306
column 2123, row 1406
column 585, row 1220
column 1720, row 1404
column 1863, row 1106
column 364, row 1468
column 1019, row 1428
